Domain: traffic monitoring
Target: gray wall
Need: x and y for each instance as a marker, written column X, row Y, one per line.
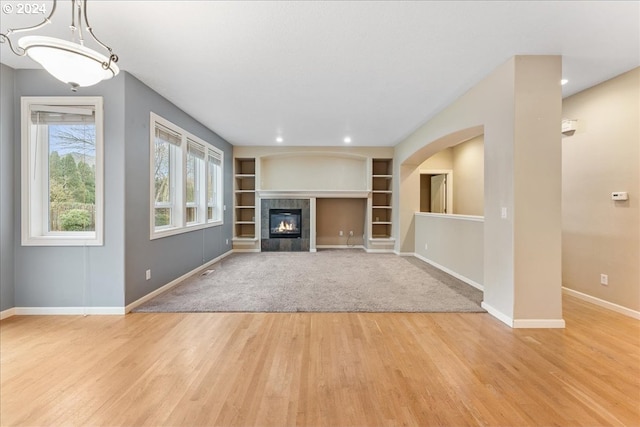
column 54, row 276
column 115, row 273
column 169, row 257
column 7, row 142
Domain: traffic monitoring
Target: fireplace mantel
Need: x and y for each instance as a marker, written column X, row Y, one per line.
column 307, row 194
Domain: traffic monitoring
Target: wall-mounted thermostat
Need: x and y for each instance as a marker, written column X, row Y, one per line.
column 619, row 195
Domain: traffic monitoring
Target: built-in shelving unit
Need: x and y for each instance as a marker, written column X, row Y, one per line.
column 381, row 192
column 245, row 199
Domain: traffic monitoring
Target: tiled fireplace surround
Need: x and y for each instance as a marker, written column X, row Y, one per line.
column 301, row 244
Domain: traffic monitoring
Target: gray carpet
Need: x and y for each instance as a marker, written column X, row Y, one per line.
column 326, row 281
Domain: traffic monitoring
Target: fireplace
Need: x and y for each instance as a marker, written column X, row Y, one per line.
column 285, row 223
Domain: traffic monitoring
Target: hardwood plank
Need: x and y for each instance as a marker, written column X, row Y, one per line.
column 323, row 369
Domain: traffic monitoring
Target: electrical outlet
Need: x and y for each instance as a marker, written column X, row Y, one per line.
column 227, row 241
column 351, row 233
column 341, row 233
column 426, row 246
column 148, row 274
column 604, row 279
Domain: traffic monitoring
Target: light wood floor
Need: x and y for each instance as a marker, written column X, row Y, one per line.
column 320, row 369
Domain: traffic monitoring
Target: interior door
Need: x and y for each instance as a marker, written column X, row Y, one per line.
column 439, row 193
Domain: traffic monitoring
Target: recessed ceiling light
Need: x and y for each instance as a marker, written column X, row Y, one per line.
column 347, row 139
column 564, row 82
column 279, row 139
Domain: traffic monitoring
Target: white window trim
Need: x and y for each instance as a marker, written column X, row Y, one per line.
column 200, row 188
column 218, row 203
column 33, row 235
column 179, row 205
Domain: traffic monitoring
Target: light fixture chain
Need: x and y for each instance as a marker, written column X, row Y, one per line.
column 81, row 4
column 112, row 57
column 59, row 57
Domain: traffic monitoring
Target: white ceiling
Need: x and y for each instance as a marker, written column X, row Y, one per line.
column 314, row 72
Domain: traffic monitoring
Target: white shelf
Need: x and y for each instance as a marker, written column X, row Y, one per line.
column 245, row 207
column 245, row 222
column 381, row 179
column 245, row 239
column 245, row 175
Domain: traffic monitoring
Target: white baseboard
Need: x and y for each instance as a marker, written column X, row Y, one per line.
column 404, row 253
column 498, row 314
column 602, row 303
column 7, row 313
column 339, row 247
column 175, row 282
column 523, row 323
column 378, row 251
column 68, row 311
column 451, row 272
column 538, row 324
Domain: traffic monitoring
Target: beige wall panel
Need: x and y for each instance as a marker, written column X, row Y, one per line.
column 468, row 182
column 537, row 181
column 317, row 172
column 440, row 160
column 452, row 242
column 333, row 215
column 486, row 108
column 505, row 106
column 601, row 236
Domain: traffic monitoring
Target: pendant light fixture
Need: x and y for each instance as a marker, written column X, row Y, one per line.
column 68, row 61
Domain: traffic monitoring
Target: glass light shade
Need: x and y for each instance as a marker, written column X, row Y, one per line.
column 68, row 62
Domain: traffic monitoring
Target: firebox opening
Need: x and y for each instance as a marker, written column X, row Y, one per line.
column 285, row 223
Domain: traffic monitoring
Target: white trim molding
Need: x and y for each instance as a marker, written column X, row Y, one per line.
column 174, row 282
column 404, row 253
column 379, row 251
column 451, row 272
column 538, row 324
column 339, row 247
column 523, row 323
column 306, row 194
column 34, row 182
column 7, row 313
column 602, row 303
column 452, row 216
column 68, row 311
column 498, row 314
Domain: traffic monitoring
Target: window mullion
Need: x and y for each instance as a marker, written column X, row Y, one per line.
column 189, row 180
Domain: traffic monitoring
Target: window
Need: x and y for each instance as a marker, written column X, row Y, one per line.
column 186, row 180
column 214, row 187
column 62, row 173
column 166, row 152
